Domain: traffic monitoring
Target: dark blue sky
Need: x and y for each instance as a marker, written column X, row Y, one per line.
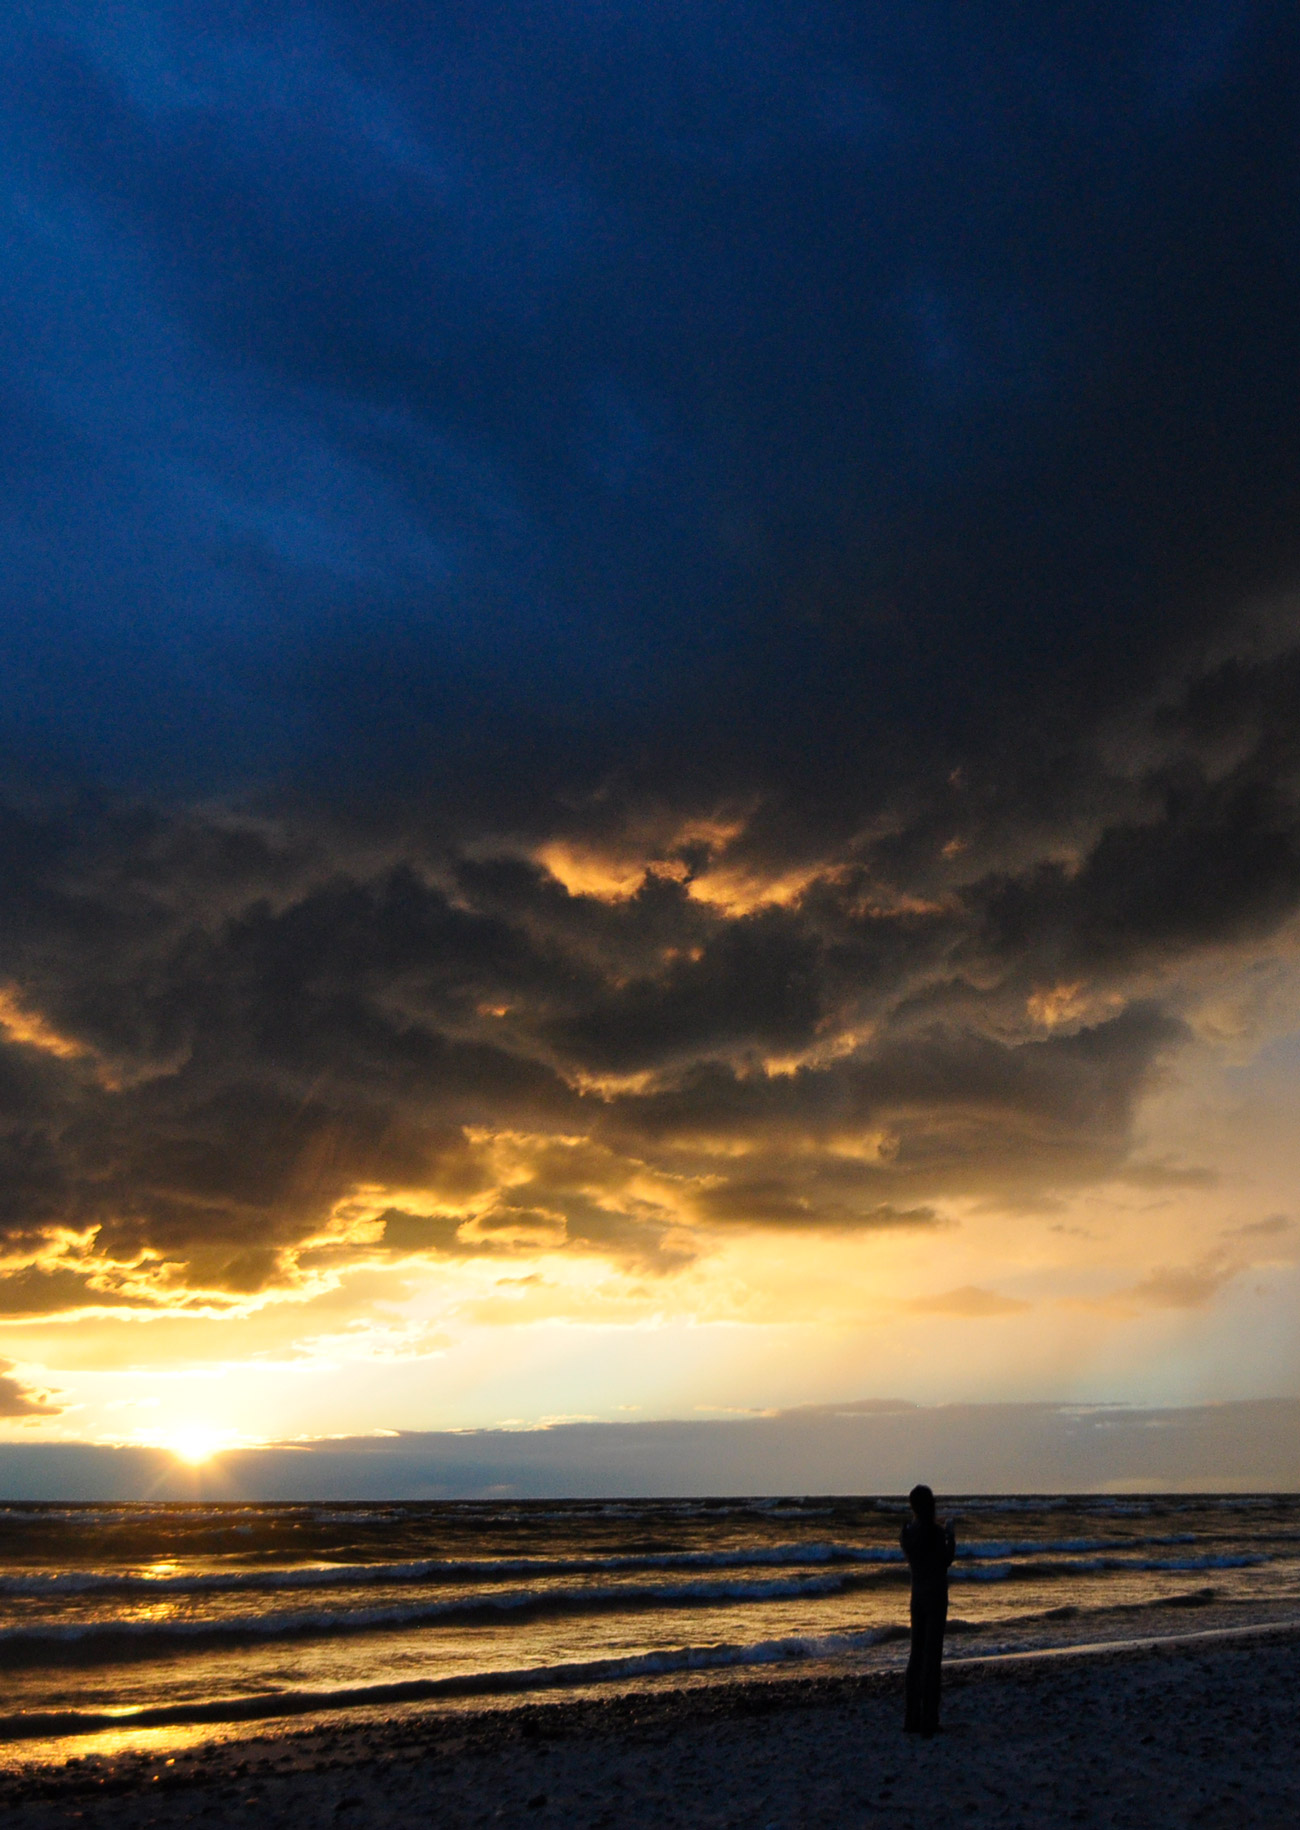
column 395, row 389
column 832, row 472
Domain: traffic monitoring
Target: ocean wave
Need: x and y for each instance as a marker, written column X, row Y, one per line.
column 1106, row 1566
column 626, row 1668
column 117, row 1638
column 665, row 1663
column 127, row 1637
column 1038, row 1547
column 431, row 1569
column 1028, row 1547
column 414, row 1571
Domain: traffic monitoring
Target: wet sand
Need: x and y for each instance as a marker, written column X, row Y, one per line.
column 1187, row 1732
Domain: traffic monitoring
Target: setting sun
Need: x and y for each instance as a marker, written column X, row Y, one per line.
column 196, row 1442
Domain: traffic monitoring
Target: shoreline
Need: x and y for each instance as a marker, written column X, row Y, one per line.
column 513, row 1689
column 1159, row 1730
column 1138, row 1642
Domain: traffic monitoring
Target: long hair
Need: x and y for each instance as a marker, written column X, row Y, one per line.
column 921, row 1500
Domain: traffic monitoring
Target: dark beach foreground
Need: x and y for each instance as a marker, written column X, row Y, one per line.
column 1190, row 1731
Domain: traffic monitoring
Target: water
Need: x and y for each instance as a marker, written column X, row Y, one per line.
column 116, row 1618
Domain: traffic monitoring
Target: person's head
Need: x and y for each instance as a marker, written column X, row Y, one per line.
column 921, row 1500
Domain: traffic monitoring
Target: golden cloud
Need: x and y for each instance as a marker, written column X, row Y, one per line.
column 969, row 1302
column 25, row 1026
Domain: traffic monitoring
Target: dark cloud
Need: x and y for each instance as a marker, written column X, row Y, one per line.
column 20, row 1400
column 1273, row 1227
column 752, row 982
column 872, row 1447
column 200, row 1092
column 34, row 1290
column 620, row 626
column 1186, row 1286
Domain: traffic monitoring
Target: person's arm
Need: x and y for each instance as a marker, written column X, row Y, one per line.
column 949, row 1543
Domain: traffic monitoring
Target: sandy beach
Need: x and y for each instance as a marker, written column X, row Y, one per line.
column 1193, row 1731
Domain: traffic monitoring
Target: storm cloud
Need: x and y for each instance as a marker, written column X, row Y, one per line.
column 620, row 628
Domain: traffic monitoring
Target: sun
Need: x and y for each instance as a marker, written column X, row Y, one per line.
column 195, row 1442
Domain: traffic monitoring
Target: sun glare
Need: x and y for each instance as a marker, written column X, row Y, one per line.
column 195, row 1443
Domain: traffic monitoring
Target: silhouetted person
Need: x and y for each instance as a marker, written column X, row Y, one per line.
column 929, row 1548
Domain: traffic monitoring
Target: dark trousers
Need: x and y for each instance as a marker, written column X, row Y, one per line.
column 929, row 1618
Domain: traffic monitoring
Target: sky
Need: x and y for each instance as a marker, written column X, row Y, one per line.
column 649, row 721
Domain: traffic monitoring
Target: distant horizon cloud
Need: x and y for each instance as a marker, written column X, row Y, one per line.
column 879, row 1448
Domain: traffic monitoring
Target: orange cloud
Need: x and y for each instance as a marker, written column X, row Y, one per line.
column 20, row 1400
column 970, row 1302
column 24, row 1025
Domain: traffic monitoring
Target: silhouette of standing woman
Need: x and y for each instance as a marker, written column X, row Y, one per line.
column 929, row 1548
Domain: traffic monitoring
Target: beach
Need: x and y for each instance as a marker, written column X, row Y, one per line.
column 1196, row 1729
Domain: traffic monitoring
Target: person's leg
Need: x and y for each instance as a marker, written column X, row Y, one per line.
column 912, row 1682
column 932, row 1663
